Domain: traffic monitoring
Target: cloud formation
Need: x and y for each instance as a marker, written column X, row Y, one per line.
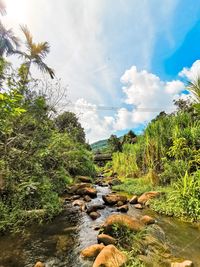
column 145, row 94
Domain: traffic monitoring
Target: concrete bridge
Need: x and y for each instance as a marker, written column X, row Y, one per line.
column 101, row 158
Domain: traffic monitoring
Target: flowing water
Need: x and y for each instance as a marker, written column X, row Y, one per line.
column 59, row 243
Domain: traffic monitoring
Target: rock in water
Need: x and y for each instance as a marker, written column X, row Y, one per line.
column 112, row 199
column 147, row 196
column 133, row 200
column 39, row 264
column 79, row 203
column 147, row 220
column 138, row 206
column 123, row 208
column 110, row 256
column 95, row 208
column 94, row 215
column 182, row 264
column 90, row 191
column 92, row 251
column 122, row 220
column 106, row 239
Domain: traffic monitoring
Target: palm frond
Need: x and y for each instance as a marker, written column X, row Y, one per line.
column 28, row 36
column 43, row 67
column 8, row 41
column 194, row 88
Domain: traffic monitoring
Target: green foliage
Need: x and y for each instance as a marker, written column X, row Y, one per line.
column 134, row 186
column 168, row 148
column 129, row 138
column 114, row 143
column 68, row 122
column 182, row 198
column 37, row 161
column 99, row 145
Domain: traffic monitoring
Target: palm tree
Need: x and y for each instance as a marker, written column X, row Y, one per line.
column 194, row 88
column 36, row 52
column 8, row 41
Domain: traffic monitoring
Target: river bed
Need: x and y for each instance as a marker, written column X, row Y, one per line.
column 58, row 243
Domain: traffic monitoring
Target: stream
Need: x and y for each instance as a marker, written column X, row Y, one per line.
column 58, row 243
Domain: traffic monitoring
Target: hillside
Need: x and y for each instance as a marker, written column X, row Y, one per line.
column 99, row 145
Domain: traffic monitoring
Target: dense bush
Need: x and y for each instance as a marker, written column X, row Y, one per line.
column 167, row 154
column 37, row 158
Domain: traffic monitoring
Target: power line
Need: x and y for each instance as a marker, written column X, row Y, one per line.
column 111, row 108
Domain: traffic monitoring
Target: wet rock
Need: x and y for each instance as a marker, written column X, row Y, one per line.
column 110, row 256
column 84, row 179
column 94, row 215
column 147, row 196
column 39, row 264
column 147, row 220
column 133, row 200
column 80, row 203
column 90, row 191
column 92, row 251
column 63, row 244
column 138, row 206
column 122, row 220
column 112, row 199
column 74, row 188
column 186, row 263
column 119, row 203
column 123, row 208
column 75, row 197
column 97, row 227
column 106, row 239
column 87, row 198
column 70, row 229
column 95, row 208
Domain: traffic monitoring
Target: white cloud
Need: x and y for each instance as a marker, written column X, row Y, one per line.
column 146, row 94
column 191, row 73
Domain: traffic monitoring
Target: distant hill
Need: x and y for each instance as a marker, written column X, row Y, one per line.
column 99, row 145
column 102, row 144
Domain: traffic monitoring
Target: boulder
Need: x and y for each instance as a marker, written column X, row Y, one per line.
column 72, row 198
column 94, row 215
column 119, row 203
column 74, row 188
column 133, row 200
column 110, row 256
column 106, row 239
column 123, row 208
column 138, row 206
column 39, row 264
column 186, row 263
column 95, row 208
column 147, row 196
column 92, row 251
column 84, row 179
column 87, row 198
column 147, row 220
column 122, row 220
column 90, row 191
column 79, row 203
column 112, row 199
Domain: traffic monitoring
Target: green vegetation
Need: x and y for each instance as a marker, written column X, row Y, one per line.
column 100, row 145
column 40, row 151
column 167, row 157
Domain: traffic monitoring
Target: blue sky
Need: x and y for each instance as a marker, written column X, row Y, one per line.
column 122, row 53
